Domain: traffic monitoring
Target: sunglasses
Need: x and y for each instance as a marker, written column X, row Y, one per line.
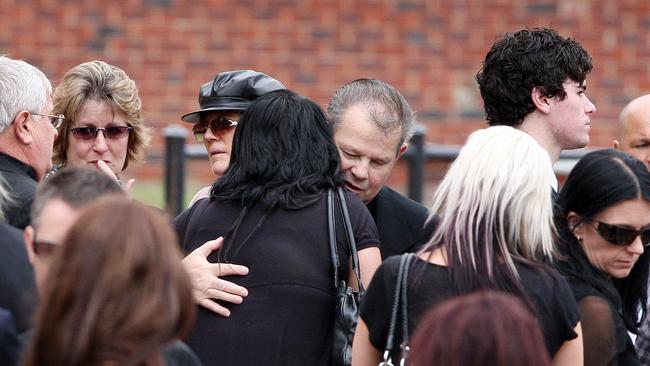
column 56, row 121
column 620, row 235
column 90, row 133
column 217, row 126
column 44, row 248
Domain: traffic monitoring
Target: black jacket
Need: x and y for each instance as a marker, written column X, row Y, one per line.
column 17, row 284
column 400, row 222
column 20, row 180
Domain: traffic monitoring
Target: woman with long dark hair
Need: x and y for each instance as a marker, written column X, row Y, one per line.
column 270, row 207
column 604, row 224
column 495, row 227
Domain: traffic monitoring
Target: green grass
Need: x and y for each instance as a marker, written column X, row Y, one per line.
column 152, row 192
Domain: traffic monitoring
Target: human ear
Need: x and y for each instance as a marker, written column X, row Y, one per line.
column 28, row 236
column 574, row 221
column 402, row 149
column 540, row 100
column 23, row 128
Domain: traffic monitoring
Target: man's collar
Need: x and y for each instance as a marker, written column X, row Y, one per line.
column 10, row 164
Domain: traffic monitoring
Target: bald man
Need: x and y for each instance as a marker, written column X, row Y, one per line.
column 634, row 129
column 634, row 139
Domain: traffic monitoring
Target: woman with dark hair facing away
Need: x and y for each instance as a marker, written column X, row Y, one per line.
column 604, row 223
column 478, row 329
column 116, row 293
column 495, row 227
column 271, row 208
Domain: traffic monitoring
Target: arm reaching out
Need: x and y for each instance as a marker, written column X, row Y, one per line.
column 207, row 286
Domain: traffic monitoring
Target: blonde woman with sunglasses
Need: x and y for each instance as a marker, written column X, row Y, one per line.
column 604, row 223
column 103, row 127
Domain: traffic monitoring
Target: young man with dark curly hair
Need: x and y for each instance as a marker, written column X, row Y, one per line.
column 535, row 80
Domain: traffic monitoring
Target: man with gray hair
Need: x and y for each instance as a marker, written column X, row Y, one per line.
column 27, row 132
column 372, row 126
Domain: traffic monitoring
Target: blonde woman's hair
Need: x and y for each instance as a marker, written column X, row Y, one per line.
column 494, row 206
column 97, row 80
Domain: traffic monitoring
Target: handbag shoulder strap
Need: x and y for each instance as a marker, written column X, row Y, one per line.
column 352, row 243
column 399, row 301
column 331, row 229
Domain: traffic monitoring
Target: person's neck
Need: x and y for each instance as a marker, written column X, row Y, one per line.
column 436, row 256
column 537, row 129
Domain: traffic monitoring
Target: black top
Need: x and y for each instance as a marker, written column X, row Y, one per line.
column 605, row 336
column 400, row 222
column 430, row 284
column 286, row 319
column 9, row 343
column 17, row 284
column 21, row 181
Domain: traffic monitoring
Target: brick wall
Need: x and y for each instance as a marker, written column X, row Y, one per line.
column 429, row 49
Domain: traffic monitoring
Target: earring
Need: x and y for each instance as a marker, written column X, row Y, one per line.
column 579, row 238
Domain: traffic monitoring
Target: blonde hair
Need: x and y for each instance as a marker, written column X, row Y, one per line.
column 494, row 203
column 97, row 80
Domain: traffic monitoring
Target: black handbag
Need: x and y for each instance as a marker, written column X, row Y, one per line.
column 347, row 300
column 399, row 302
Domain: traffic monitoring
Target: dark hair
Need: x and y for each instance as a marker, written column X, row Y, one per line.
column 76, row 186
column 481, row 328
column 283, row 155
column 600, row 180
column 116, row 291
column 518, row 62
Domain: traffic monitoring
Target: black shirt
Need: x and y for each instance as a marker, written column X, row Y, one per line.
column 400, row 222
column 556, row 309
column 20, row 180
column 286, row 319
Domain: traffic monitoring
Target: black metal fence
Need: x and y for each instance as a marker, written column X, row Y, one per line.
column 417, row 155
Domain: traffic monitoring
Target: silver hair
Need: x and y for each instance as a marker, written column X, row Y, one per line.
column 384, row 103
column 495, row 201
column 22, row 87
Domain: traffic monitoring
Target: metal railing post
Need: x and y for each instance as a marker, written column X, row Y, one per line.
column 175, row 137
column 416, row 161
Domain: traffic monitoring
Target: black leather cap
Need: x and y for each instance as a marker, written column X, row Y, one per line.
column 232, row 91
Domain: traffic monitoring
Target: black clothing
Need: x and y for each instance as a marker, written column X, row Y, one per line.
column 400, row 222
column 430, row 284
column 17, row 284
column 286, row 319
column 21, row 181
column 614, row 345
column 179, row 354
column 9, row 344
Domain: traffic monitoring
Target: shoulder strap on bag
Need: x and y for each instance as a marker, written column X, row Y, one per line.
column 331, row 228
column 352, row 243
column 399, row 302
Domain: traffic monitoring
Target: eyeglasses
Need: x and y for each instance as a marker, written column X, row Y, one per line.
column 56, row 121
column 90, row 133
column 217, row 126
column 620, row 235
column 44, row 248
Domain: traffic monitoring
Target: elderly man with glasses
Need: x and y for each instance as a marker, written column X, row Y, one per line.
column 27, row 132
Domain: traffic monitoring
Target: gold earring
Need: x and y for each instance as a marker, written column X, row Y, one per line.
column 579, row 238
